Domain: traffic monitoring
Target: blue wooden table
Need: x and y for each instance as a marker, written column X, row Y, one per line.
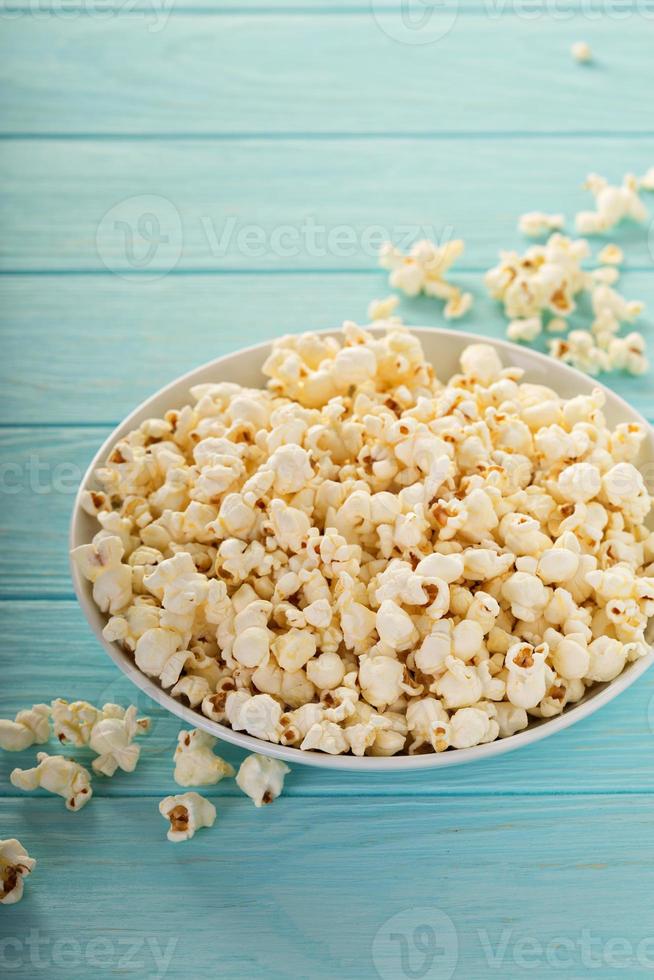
column 180, row 180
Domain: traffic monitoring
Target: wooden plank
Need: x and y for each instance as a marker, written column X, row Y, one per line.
column 315, row 890
column 41, row 470
column 255, row 204
column 49, row 652
column 118, row 340
column 305, row 71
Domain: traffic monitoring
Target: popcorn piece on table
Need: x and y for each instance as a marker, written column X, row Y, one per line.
column 548, row 279
column 109, row 731
column 581, row 52
column 537, row 223
column 383, row 309
column 195, row 762
column 423, row 271
column 527, row 329
column 58, row 775
column 29, row 726
column 261, row 778
column 15, row 865
column 112, row 739
column 186, row 813
column 611, row 255
column 646, row 182
column 612, row 204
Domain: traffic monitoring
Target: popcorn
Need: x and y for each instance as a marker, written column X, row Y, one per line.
column 471, row 726
column 611, row 255
column 186, row 813
column 535, row 223
column 607, row 659
column 195, row 762
column 541, row 288
column 527, row 329
column 612, row 205
column 423, row 271
column 581, row 52
column 383, row 309
column 394, row 626
column 460, row 685
column 74, row 722
column 29, row 726
column 428, row 724
column 326, row 671
column 257, row 714
column 326, row 736
column 100, row 563
column 261, row 778
column 510, row 719
column 527, row 595
column 381, row 679
column 58, row 775
column 15, row 865
column 458, row 305
column 364, row 558
column 111, row 738
column 646, row 182
column 527, row 681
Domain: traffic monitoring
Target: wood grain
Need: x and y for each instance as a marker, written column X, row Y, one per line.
column 149, row 207
column 192, row 148
column 51, row 644
column 310, row 888
column 246, row 74
column 105, row 343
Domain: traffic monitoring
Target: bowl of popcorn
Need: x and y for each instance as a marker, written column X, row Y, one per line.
column 375, row 548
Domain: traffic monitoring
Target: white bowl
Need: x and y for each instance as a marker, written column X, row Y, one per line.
column 442, row 348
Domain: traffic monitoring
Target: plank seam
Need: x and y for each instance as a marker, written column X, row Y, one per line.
column 371, row 795
column 249, row 271
column 489, row 10
column 334, row 135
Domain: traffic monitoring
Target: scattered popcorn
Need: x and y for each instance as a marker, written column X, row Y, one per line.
column 112, row 740
column 29, row 726
column 611, row 255
column 186, row 813
column 527, row 329
column 457, row 306
column 364, row 558
column 549, row 279
column 109, row 731
column 58, row 775
column 423, row 271
column 535, row 223
column 646, row 182
column 261, row 778
column 195, row 762
column 15, row 865
column 556, row 325
column 383, row 309
column 612, row 205
column 581, row 52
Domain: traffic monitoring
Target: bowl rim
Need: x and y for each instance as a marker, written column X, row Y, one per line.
column 538, row 729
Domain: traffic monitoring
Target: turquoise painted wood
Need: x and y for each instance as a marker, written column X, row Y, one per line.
column 170, row 325
column 113, row 64
column 217, row 119
column 289, row 204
